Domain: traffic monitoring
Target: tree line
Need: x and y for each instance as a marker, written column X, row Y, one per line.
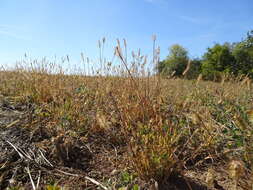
column 228, row 58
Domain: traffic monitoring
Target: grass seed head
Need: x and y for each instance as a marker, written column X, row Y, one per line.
column 236, row 169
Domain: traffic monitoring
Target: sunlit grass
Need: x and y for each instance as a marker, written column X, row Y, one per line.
column 166, row 125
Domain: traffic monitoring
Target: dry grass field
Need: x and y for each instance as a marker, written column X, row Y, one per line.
column 123, row 131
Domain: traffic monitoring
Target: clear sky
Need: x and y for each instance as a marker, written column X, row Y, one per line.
column 59, row 27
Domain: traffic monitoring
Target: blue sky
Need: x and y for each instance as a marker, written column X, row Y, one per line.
column 60, row 27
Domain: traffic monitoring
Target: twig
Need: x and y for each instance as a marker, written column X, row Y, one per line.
column 12, row 180
column 3, row 165
column 96, row 182
column 21, row 153
column 31, row 179
column 13, row 123
column 30, row 150
column 15, row 148
column 25, row 154
column 86, row 177
column 45, row 159
column 38, row 181
column 67, row 173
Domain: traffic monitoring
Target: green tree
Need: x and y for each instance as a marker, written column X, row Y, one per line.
column 243, row 53
column 175, row 62
column 217, row 60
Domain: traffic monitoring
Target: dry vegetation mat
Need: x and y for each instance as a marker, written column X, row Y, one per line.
column 124, row 132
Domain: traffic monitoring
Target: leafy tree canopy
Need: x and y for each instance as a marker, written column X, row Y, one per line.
column 243, row 54
column 216, row 60
column 235, row 58
column 175, row 62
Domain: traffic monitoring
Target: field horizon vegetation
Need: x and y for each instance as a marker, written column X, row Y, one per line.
column 179, row 123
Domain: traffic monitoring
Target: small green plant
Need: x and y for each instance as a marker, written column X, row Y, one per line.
column 126, row 177
column 154, row 149
column 136, row 187
column 53, row 187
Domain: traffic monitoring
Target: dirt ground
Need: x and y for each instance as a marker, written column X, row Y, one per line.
column 44, row 155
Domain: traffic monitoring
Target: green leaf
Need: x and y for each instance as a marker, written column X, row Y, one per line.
column 136, row 187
